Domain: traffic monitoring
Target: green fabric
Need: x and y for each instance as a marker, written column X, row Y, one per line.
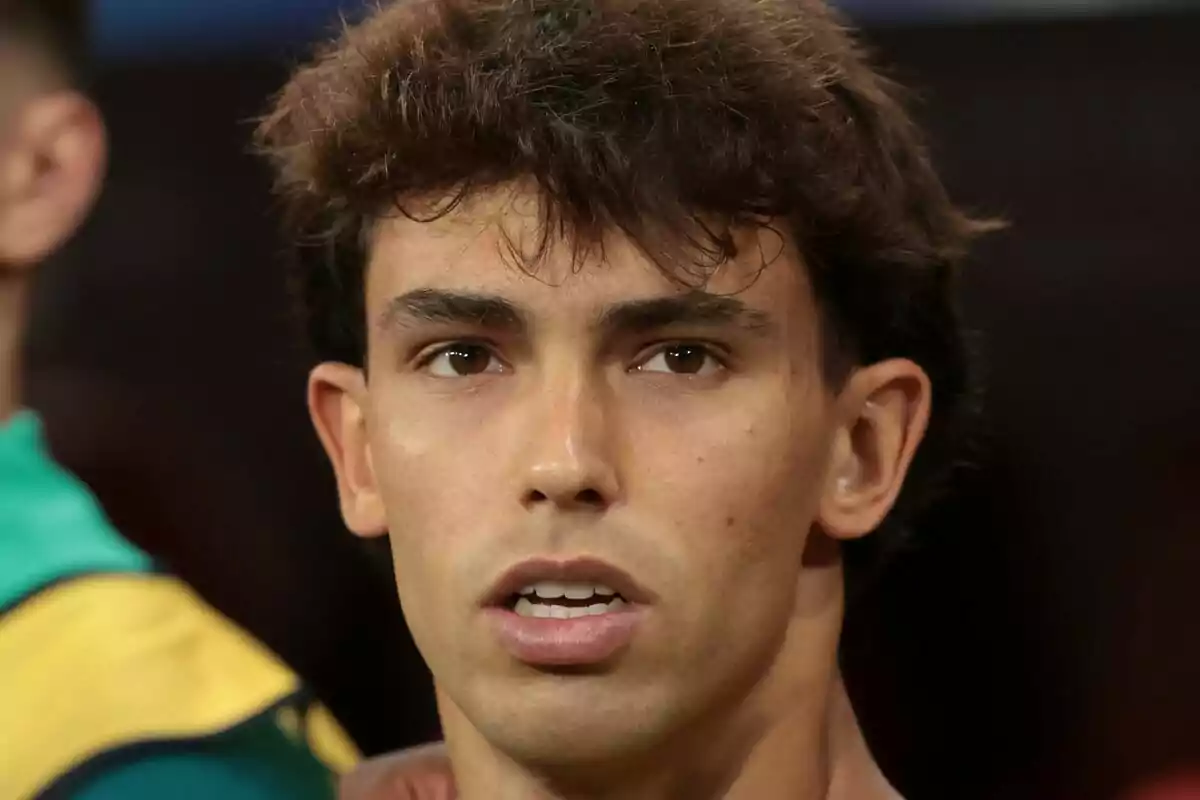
column 256, row 761
column 51, row 527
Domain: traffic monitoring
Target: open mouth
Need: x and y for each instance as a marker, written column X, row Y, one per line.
column 576, row 613
column 560, row 600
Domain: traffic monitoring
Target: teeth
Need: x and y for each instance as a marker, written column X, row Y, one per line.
column 582, row 591
column 551, row 590
column 527, row 608
column 548, row 590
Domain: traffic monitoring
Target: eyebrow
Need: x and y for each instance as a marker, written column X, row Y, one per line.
column 695, row 309
column 437, row 306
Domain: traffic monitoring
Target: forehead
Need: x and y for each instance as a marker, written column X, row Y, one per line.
column 472, row 249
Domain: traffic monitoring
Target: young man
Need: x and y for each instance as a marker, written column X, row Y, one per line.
column 632, row 317
column 115, row 681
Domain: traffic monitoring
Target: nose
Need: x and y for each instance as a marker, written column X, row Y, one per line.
column 568, row 462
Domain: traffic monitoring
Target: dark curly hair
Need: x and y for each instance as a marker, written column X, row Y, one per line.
column 675, row 122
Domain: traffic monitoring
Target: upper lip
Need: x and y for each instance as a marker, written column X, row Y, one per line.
column 574, row 570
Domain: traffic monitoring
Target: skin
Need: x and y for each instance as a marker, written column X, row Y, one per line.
column 421, row 773
column 425, row 772
column 52, row 159
column 688, row 438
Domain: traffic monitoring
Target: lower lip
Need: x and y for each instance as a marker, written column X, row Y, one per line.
column 565, row 642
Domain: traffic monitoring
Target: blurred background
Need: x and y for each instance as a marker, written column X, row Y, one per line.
column 1041, row 640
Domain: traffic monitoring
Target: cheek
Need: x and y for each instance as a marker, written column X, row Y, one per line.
column 741, row 485
column 430, row 455
column 432, row 478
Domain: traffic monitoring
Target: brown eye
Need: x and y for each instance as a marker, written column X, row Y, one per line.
column 462, row 360
column 682, row 359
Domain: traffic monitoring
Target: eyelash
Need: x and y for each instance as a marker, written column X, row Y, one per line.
column 427, row 353
column 713, row 350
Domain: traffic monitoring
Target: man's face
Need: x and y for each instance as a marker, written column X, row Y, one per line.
column 597, row 431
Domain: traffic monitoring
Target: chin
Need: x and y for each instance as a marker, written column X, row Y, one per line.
column 574, row 749
column 565, row 727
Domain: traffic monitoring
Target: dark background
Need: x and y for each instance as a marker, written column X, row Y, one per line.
column 1040, row 641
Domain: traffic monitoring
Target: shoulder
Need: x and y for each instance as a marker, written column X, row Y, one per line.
column 105, row 664
column 54, row 528
column 257, row 761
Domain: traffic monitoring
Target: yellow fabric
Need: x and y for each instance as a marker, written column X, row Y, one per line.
column 105, row 661
column 314, row 728
column 329, row 742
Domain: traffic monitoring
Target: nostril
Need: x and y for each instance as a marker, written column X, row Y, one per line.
column 589, row 497
column 584, row 498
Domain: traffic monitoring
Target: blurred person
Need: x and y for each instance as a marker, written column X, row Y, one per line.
column 116, row 681
column 632, row 317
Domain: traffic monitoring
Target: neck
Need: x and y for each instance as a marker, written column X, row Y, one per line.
column 800, row 756
column 793, row 736
column 13, row 297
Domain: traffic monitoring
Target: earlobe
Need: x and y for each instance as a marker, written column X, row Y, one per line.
column 50, row 176
column 337, row 403
column 885, row 411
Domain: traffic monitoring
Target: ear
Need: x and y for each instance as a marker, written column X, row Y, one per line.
column 337, row 403
column 51, row 170
column 883, row 412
